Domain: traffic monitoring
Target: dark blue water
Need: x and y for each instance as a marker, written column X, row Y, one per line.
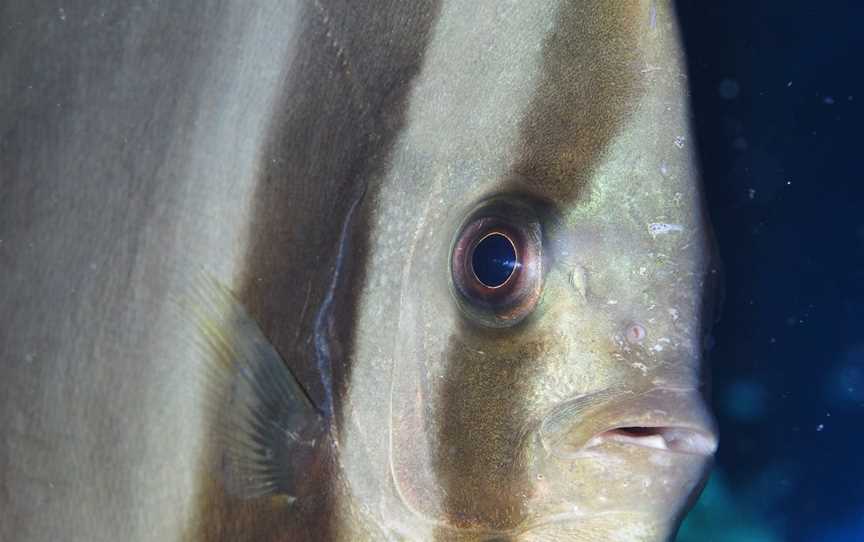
column 779, row 114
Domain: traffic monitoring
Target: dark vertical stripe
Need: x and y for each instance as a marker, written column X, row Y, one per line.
column 588, row 85
column 331, row 134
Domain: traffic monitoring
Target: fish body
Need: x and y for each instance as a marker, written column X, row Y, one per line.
column 345, row 369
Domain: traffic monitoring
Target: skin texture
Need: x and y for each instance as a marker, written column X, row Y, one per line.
column 318, row 158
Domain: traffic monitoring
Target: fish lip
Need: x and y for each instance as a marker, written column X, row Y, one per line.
column 678, row 439
column 670, row 420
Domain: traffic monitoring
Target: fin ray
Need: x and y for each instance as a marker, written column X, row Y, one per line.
column 263, row 423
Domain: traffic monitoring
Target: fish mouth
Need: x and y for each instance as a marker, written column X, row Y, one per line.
column 682, row 440
column 667, row 420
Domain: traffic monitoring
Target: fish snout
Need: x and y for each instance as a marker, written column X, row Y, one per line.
column 665, row 419
column 613, row 456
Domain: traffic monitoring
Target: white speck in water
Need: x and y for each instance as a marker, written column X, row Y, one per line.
column 664, row 169
column 679, row 142
column 789, row 84
column 828, row 100
column 62, row 14
column 820, row 427
column 751, row 193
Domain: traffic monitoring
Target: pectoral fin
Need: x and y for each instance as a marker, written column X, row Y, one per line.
column 264, row 427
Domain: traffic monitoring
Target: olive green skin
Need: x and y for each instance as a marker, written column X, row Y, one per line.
column 582, row 109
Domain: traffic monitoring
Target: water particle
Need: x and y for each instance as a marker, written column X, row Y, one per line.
column 744, row 400
column 751, row 193
column 679, row 142
column 728, row 89
column 828, row 100
column 820, row 427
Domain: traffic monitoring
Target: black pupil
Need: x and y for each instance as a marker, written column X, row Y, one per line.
column 494, row 260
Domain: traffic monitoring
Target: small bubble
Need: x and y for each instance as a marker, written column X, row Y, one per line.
column 820, row 427
column 828, row 100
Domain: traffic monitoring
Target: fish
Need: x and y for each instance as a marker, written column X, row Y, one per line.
column 323, row 271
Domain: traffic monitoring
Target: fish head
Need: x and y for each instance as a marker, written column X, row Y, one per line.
column 528, row 361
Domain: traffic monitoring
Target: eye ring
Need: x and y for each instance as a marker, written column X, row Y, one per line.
column 506, row 299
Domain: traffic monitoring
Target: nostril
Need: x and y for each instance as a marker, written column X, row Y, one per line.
column 635, row 333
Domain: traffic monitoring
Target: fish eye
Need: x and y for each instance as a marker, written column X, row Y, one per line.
column 494, row 260
column 496, row 263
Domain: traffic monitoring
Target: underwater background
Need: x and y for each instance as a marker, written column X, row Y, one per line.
column 777, row 102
